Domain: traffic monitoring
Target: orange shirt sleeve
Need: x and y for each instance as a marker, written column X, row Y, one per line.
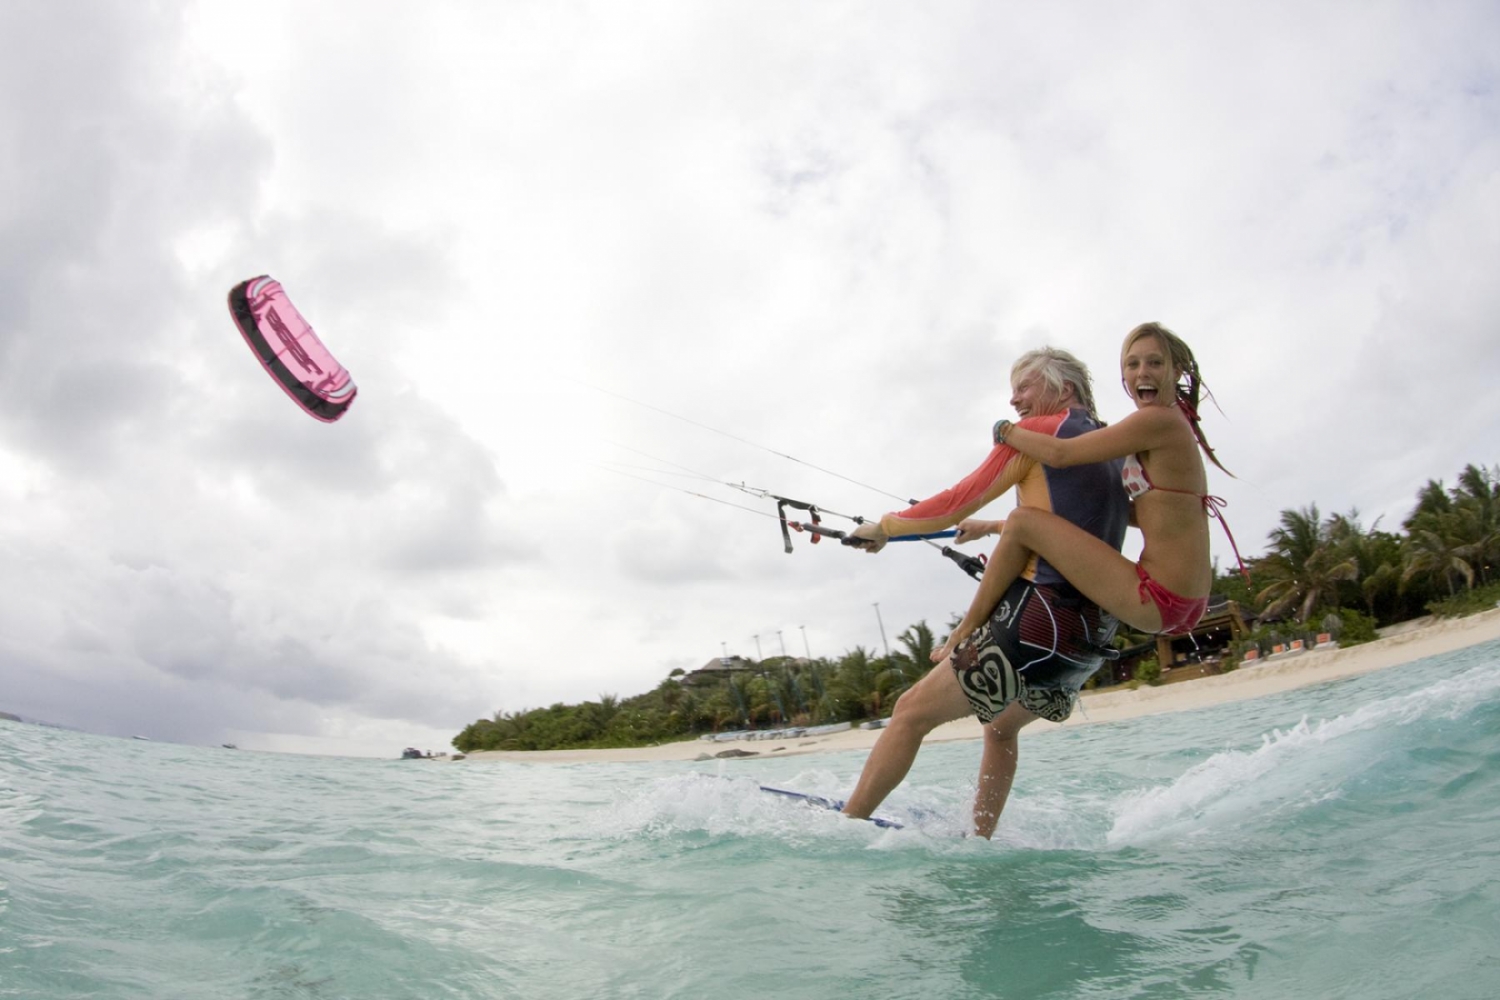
column 1002, row 469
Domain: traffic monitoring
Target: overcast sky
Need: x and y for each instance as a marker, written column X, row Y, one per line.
column 824, row 228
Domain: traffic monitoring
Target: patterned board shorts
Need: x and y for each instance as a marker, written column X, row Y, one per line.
column 1036, row 649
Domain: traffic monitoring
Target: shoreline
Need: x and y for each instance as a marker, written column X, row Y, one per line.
column 1401, row 644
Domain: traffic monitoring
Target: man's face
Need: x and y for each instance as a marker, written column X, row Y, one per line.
column 1031, row 398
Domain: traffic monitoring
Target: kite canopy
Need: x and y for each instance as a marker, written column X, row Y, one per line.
column 289, row 350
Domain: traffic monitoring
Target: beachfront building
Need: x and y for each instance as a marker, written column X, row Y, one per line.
column 719, row 668
column 1220, row 625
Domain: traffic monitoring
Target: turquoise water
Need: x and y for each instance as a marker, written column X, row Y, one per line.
column 1338, row 841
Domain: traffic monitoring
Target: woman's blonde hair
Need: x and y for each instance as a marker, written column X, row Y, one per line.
column 1057, row 369
column 1190, row 386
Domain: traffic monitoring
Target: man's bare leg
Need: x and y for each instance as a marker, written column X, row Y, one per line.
column 935, row 699
column 997, row 769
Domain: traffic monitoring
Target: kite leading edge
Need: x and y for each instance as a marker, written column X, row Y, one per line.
column 287, row 347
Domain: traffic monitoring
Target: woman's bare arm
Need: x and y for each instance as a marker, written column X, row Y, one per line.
column 1143, row 430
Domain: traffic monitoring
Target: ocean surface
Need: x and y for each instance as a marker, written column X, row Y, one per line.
column 1338, row 841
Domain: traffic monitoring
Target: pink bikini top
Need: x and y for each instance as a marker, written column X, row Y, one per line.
column 1138, row 484
column 1133, row 475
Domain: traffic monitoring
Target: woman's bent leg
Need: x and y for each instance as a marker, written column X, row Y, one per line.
column 1006, row 564
column 1093, row 566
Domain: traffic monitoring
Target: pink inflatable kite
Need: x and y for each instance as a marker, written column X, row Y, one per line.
column 289, row 349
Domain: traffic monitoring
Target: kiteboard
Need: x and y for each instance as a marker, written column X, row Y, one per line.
column 289, row 350
column 834, row 805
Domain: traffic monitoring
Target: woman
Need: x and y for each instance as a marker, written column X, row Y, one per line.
column 1166, row 591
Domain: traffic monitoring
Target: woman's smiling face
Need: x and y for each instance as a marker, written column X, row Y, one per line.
column 1147, row 371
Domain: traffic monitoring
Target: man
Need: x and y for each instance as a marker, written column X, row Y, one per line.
column 1044, row 639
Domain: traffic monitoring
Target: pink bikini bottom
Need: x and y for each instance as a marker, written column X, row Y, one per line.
column 1178, row 614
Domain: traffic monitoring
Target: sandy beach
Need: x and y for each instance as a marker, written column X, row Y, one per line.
column 1399, row 644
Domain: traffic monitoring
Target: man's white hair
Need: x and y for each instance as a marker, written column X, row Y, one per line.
column 1057, row 369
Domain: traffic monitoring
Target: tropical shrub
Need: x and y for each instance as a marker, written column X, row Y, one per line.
column 1467, row 603
column 1148, row 671
column 1357, row 628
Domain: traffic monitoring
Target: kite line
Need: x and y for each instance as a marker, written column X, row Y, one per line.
column 814, row 526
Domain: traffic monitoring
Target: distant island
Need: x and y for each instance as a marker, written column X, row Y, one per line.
column 12, row 717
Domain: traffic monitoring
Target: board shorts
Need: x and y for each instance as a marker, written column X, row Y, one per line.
column 1039, row 646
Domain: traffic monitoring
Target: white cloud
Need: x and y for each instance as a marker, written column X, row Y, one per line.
column 823, row 230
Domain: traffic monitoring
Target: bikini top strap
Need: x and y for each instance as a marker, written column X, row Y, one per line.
column 1211, row 504
column 1214, row 507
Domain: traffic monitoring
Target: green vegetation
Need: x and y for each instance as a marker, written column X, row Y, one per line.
column 1444, row 563
column 1148, row 671
column 1467, row 603
column 1317, row 575
column 776, row 692
column 1355, row 628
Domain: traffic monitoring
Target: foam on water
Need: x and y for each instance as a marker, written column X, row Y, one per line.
column 725, row 803
column 1293, row 768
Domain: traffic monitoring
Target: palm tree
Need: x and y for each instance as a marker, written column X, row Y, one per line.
column 815, row 687
column 819, row 682
column 1477, row 506
column 685, row 711
column 919, row 642
column 738, row 687
column 1384, row 581
column 1432, row 501
column 1376, row 555
column 719, row 709
column 670, row 692
column 762, row 699
column 1304, row 565
column 854, row 686
column 890, row 683
column 788, row 691
column 1437, row 555
column 1481, row 485
column 1455, row 533
column 512, row 729
column 601, row 713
